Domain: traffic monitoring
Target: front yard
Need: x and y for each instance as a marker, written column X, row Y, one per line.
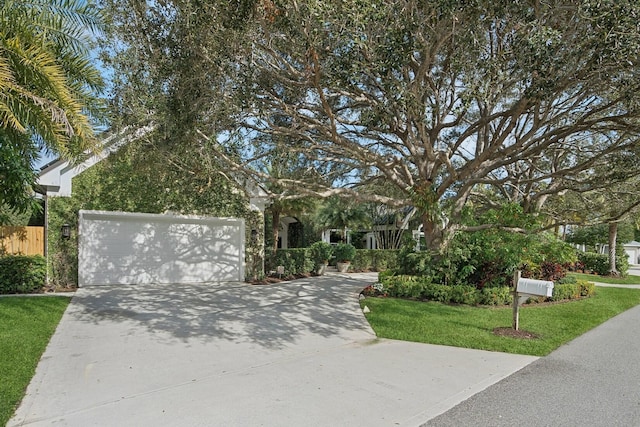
column 472, row 327
column 26, row 325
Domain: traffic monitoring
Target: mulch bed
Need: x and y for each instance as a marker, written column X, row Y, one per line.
column 512, row 333
column 274, row 279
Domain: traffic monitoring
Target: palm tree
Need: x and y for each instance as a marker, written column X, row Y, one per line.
column 338, row 213
column 48, row 84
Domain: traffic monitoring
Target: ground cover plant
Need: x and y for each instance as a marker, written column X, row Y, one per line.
column 473, row 327
column 26, row 325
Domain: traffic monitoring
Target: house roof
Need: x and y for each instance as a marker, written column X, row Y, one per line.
column 632, row 244
column 54, row 178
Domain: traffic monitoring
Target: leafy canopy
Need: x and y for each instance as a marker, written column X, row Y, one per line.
column 438, row 99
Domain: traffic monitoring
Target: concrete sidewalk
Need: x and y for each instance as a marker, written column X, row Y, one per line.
column 293, row 354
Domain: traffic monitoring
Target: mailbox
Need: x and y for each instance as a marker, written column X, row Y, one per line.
column 535, row 287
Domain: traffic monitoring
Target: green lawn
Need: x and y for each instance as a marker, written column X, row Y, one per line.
column 628, row 280
column 26, row 325
column 472, row 327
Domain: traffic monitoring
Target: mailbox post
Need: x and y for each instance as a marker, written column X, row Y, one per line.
column 525, row 288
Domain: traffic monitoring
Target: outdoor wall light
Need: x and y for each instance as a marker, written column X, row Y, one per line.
column 254, row 235
column 65, row 231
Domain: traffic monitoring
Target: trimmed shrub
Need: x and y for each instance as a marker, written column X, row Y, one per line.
column 439, row 293
column 344, row 252
column 498, row 295
column 565, row 291
column 375, row 259
column 464, row 294
column 599, row 263
column 567, row 279
column 294, row 261
column 22, row 274
column 421, row 288
column 587, row 289
column 320, row 252
column 568, row 291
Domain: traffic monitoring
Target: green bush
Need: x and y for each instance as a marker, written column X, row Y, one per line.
column 22, row 274
column 586, row 288
column 439, row 293
column 488, row 258
column 499, row 295
column 421, row 288
column 383, row 275
column 568, row 291
column 294, row 261
column 565, row 291
column 464, row 294
column 597, row 263
column 404, row 286
column 622, row 261
column 344, row 252
column 567, row 279
column 416, row 263
column 320, row 252
column 374, row 259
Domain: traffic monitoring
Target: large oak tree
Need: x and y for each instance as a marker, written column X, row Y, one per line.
column 437, row 98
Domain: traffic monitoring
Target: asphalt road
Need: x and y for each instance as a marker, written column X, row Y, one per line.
column 592, row 381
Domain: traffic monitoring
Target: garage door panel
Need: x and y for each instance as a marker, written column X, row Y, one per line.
column 119, row 248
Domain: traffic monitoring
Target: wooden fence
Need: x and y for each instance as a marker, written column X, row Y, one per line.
column 22, row 240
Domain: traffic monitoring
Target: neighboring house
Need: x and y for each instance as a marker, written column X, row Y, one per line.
column 633, row 251
column 122, row 232
column 631, row 248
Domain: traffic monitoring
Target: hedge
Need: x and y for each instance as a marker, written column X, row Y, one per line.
column 374, row 259
column 22, row 274
column 298, row 261
column 294, row 261
column 421, row 288
column 599, row 263
column 566, row 291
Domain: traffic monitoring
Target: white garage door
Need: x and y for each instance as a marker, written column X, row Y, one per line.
column 125, row 248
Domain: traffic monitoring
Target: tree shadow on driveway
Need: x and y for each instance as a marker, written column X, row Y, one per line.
column 271, row 316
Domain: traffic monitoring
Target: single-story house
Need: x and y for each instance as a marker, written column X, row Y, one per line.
column 123, row 240
column 633, row 251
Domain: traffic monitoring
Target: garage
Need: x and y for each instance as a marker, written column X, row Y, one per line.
column 138, row 248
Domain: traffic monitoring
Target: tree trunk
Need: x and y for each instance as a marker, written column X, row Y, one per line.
column 275, row 227
column 434, row 235
column 613, row 236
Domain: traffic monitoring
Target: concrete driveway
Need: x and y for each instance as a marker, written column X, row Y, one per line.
column 293, row 354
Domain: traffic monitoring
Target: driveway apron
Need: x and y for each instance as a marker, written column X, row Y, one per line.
column 299, row 353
